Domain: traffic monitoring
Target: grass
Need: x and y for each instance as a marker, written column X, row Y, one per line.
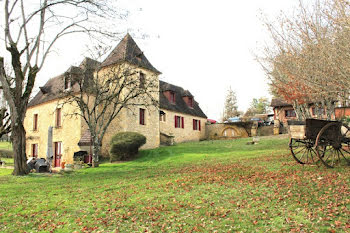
column 5, row 146
column 205, row 186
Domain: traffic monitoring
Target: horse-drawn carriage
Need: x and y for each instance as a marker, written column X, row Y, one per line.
column 313, row 141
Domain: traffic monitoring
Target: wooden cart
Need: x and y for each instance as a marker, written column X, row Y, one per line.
column 323, row 141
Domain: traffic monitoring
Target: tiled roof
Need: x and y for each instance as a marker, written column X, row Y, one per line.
column 180, row 105
column 85, row 139
column 279, row 103
column 128, row 51
column 55, row 86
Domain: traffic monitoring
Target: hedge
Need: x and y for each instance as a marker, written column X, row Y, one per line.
column 125, row 145
column 6, row 154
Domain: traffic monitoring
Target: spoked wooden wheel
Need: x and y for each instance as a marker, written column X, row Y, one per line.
column 303, row 150
column 333, row 145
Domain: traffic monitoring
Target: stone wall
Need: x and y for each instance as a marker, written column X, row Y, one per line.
column 69, row 133
column 265, row 130
column 217, row 131
column 128, row 119
column 182, row 134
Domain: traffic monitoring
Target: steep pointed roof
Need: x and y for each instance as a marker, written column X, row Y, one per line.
column 128, row 51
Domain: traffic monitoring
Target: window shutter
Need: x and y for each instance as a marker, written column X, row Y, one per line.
column 58, row 117
column 194, row 124
column 35, row 123
column 142, row 116
column 175, row 122
column 182, row 122
column 199, row 125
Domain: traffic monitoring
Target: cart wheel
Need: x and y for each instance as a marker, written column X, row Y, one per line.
column 303, row 150
column 333, row 147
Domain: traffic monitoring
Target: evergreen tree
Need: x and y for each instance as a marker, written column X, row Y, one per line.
column 231, row 108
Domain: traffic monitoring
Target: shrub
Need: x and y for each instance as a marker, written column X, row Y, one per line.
column 125, row 145
column 6, row 154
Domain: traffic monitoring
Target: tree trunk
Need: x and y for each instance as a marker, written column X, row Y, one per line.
column 95, row 153
column 298, row 111
column 19, row 149
column 330, row 109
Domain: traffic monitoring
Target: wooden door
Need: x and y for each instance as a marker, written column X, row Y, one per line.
column 58, row 153
column 229, row 132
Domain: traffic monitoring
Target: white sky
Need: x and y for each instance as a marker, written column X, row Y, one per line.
column 201, row 45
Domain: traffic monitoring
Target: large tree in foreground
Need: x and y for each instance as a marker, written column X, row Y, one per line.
column 30, row 31
column 308, row 59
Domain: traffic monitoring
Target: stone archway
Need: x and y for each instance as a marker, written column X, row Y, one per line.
column 229, row 132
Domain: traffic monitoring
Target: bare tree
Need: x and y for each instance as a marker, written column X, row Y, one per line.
column 30, row 31
column 100, row 98
column 308, row 61
column 5, row 124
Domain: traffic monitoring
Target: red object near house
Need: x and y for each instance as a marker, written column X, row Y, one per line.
column 212, row 121
column 58, row 154
column 88, row 159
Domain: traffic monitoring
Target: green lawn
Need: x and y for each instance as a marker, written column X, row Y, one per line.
column 5, row 146
column 206, row 186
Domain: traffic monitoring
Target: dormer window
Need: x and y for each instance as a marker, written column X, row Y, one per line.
column 66, row 82
column 172, row 97
column 190, row 102
column 142, row 80
column 139, row 56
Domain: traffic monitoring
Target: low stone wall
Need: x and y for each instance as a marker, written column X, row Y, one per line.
column 265, row 130
column 217, row 131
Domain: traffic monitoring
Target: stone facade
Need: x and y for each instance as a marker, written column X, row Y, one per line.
column 226, row 131
column 128, row 119
column 73, row 128
column 187, row 133
column 68, row 133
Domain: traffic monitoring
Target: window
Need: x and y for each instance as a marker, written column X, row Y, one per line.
column 320, row 111
column 196, row 125
column 142, row 80
column 66, row 82
column 190, row 102
column 172, row 97
column 162, row 116
column 35, row 150
column 35, row 122
column 290, row 113
column 58, row 118
column 142, row 116
column 179, row 122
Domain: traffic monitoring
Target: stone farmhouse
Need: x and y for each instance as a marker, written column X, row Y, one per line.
column 284, row 111
column 178, row 117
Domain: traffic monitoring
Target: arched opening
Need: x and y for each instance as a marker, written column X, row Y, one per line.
column 229, row 132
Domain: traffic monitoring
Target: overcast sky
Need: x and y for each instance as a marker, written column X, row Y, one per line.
column 203, row 46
